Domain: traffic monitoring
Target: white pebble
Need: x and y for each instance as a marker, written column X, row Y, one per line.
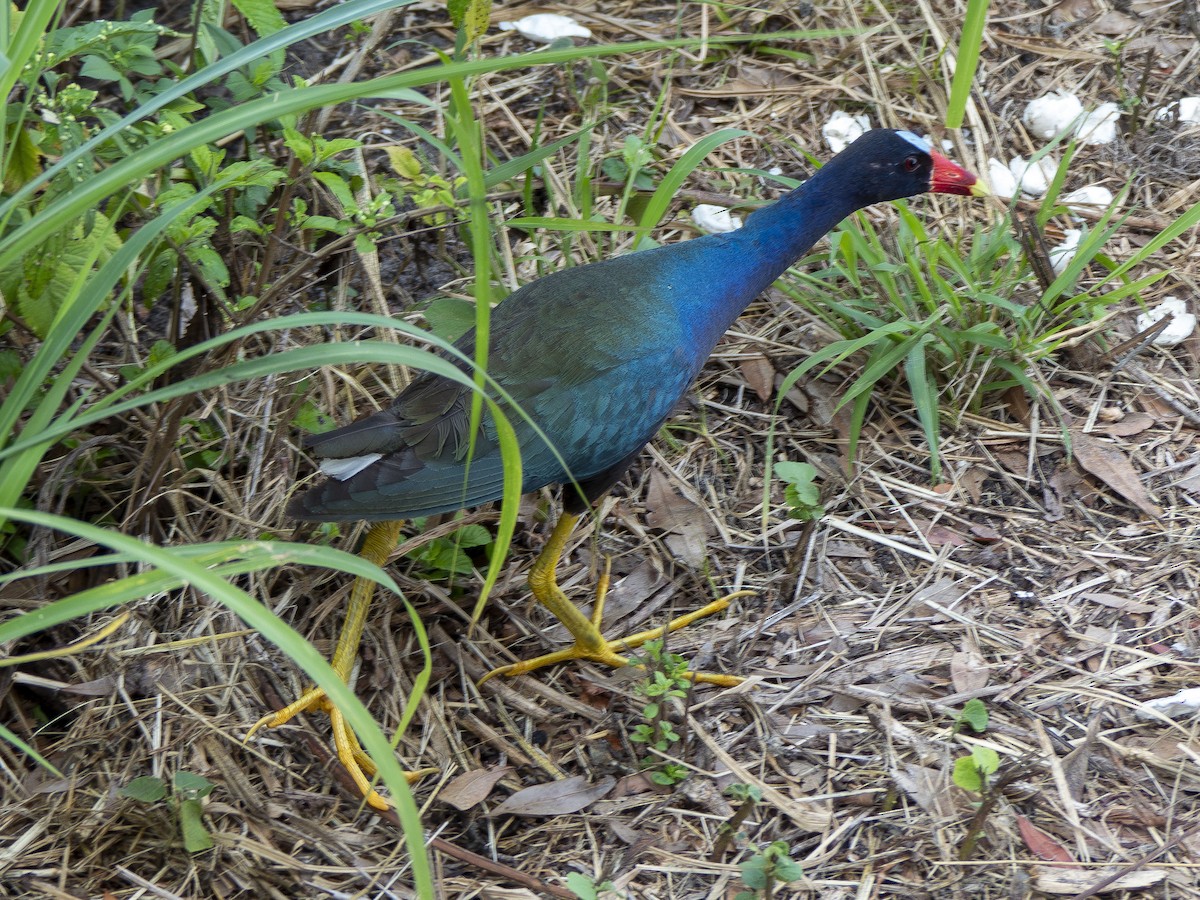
column 1033, row 177
column 1051, row 114
column 715, row 219
column 1061, row 256
column 1183, row 323
column 1179, row 706
column 1187, row 109
column 842, row 129
column 1001, row 179
column 1099, row 126
column 1091, row 198
column 546, row 27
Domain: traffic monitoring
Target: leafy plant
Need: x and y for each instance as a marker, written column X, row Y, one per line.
column 424, row 188
column 974, row 714
column 747, row 796
column 185, row 795
column 971, row 772
column 666, row 679
column 766, row 869
column 955, row 320
column 446, row 557
column 134, row 188
column 800, row 490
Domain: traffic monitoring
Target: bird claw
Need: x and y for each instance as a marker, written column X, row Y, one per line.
column 605, row 652
column 353, row 758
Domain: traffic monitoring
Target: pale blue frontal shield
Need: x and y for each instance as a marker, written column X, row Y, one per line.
column 919, row 142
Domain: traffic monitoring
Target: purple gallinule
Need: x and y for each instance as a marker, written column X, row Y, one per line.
column 597, row 357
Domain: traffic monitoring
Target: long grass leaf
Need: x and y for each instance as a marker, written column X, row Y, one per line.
column 259, row 617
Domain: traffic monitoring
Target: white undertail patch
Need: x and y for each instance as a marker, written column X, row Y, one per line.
column 344, row 469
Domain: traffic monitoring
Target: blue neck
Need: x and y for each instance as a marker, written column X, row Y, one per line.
column 725, row 273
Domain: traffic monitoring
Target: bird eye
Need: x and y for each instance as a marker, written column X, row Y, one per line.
column 911, row 164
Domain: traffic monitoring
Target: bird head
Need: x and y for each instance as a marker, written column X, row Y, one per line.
column 889, row 165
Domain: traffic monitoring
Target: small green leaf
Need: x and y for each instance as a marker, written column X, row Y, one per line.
column 195, row 836
column 146, row 788
column 196, row 786
column 450, row 318
column 986, row 759
column 966, row 776
column 582, row 886
column 975, row 714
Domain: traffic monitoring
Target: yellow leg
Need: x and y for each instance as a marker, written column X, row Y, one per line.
column 589, row 643
column 377, row 546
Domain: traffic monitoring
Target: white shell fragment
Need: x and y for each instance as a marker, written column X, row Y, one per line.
column 1033, row 177
column 1051, row 114
column 344, row 469
column 1090, row 198
column 1099, row 126
column 1187, row 109
column 1061, row 256
column 1183, row 323
column 1178, row 706
column 715, row 219
column 842, row 128
column 546, row 27
column 1001, row 179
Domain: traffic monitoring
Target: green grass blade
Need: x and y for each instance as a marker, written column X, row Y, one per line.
column 966, row 62
column 259, row 617
column 661, row 199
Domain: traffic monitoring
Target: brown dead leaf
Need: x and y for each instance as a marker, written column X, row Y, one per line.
column 1073, row 10
column 1112, row 601
column 1016, row 461
column 1128, row 426
column 1075, row 764
column 968, row 670
column 943, row 592
column 669, row 510
column 928, row 787
column 1165, row 47
column 1113, row 22
column 637, row 783
column 1040, row 843
column 472, row 788
column 972, row 481
column 941, row 536
column 557, row 798
column 760, row 375
column 1110, row 465
column 1018, row 404
column 1077, row 881
column 1190, row 482
column 985, row 533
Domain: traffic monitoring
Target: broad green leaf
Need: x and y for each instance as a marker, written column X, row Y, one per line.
column 146, row 788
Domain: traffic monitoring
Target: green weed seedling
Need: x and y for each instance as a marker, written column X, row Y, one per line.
column 585, row 887
column 446, row 557
column 800, row 490
column 767, row 869
column 424, row 188
column 971, row 772
column 666, row 678
column 747, row 796
column 186, row 794
column 975, row 715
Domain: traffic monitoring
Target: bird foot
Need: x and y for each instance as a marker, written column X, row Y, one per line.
column 350, row 753
column 606, row 653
